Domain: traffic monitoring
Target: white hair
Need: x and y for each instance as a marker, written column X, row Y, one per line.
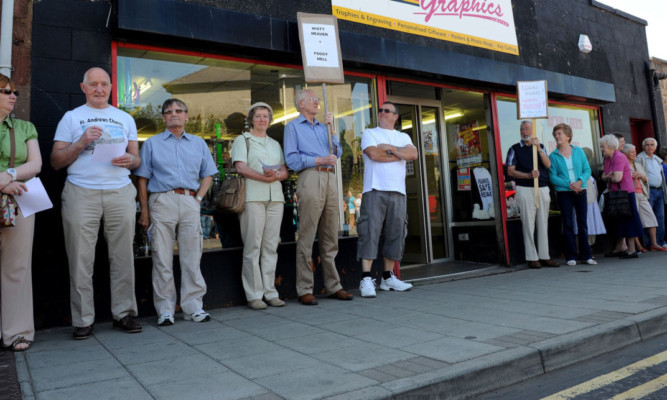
column 627, row 148
column 609, row 141
column 649, row 139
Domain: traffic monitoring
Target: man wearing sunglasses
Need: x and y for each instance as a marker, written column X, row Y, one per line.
column 177, row 169
column 386, row 152
column 307, row 151
column 97, row 190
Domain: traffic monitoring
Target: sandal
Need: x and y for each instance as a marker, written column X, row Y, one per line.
column 21, row 341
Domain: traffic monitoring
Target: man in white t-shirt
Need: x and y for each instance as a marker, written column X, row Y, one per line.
column 96, row 190
column 385, row 152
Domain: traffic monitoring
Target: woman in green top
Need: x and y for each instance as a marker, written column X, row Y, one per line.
column 16, row 321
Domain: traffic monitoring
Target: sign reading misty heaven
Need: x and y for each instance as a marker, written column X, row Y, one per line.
column 488, row 24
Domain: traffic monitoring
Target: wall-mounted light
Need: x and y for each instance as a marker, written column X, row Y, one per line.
column 453, row 115
column 585, row 45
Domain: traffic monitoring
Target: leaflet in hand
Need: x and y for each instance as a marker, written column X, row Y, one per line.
column 270, row 167
column 105, row 152
column 35, row 199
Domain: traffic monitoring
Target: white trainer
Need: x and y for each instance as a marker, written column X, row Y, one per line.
column 165, row 319
column 393, row 283
column 197, row 316
column 367, row 287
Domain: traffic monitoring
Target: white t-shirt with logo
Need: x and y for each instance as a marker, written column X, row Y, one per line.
column 389, row 177
column 118, row 126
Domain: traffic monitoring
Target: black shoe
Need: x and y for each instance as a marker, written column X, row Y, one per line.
column 127, row 324
column 615, row 254
column 628, row 255
column 82, row 333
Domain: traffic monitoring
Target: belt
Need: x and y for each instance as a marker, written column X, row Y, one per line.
column 183, row 191
column 656, row 187
column 324, row 169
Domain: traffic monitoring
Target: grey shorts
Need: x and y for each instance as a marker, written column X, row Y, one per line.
column 382, row 213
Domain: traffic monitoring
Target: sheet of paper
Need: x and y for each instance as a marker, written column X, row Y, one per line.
column 105, row 152
column 35, row 199
column 270, row 167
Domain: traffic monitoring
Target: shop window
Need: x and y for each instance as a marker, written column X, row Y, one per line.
column 218, row 93
column 585, row 128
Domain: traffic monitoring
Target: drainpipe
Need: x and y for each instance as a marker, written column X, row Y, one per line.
column 7, row 25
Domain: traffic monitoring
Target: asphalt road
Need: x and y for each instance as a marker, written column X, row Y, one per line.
column 635, row 372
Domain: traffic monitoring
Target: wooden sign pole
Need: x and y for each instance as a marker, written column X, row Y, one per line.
column 330, row 128
column 536, row 182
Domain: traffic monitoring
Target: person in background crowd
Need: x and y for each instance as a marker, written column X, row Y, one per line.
column 569, row 174
column 520, row 167
column 17, row 326
column 307, row 152
column 640, row 182
column 386, row 151
column 595, row 222
column 95, row 191
column 264, row 206
column 621, row 140
column 351, row 208
column 177, row 169
column 652, row 164
column 618, row 176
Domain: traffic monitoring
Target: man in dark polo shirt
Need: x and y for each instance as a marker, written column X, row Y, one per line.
column 520, row 167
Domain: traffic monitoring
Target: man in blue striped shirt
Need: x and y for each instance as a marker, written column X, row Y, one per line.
column 307, row 152
column 177, row 169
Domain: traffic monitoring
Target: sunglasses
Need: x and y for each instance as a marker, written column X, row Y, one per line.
column 9, row 91
column 175, row 111
column 386, row 111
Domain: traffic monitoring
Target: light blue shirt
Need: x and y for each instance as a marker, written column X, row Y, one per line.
column 304, row 142
column 171, row 163
column 570, row 169
column 654, row 172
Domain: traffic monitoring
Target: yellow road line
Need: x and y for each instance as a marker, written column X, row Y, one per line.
column 643, row 390
column 609, row 378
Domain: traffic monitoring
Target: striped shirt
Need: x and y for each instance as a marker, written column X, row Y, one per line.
column 170, row 163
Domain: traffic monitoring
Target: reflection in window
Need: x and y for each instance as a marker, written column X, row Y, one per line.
column 218, row 94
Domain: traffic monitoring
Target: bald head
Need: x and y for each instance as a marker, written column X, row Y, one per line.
column 96, row 86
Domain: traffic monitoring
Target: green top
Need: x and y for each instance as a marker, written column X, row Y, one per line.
column 23, row 131
column 264, row 150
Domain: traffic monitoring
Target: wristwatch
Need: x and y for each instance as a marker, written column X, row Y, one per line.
column 12, row 172
column 199, row 198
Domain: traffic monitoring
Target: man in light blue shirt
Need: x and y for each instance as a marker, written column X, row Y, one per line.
column 177, row 169
column 658, row 186
column 306, row 145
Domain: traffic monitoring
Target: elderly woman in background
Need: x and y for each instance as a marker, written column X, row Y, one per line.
column 16, row 322
column 569, row 174
column 640, row 182
column 618, row 175
column 263, row 214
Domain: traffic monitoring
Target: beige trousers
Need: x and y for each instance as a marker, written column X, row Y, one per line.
column 260, row 230
column 16, row 316
column 532, row 218
column 175, row 217
column 82, row 210
column 318, row 213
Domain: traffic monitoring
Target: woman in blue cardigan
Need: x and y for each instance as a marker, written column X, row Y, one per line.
column 569, row 173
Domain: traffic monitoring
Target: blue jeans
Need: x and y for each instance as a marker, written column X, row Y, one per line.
column 657, row 201
column 568, row 202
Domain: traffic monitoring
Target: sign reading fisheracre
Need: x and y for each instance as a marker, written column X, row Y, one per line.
column 480, row 23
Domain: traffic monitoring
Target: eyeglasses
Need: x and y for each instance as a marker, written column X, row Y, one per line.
column 9, row 91
column 386, row 111
column 313, row 99
column 175, row 110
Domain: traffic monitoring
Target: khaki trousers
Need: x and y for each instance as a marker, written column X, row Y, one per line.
column 260, row 230
column 176, row 217
column 16, row 316
column 82, row 210
column 318, row 213
column 532, row 218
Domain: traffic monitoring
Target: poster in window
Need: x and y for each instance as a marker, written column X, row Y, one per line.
column 430, row 143
column 463, row 179
column 468, row 145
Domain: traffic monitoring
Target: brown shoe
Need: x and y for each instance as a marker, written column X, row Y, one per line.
column 341, row 295
column 126, row 324
column 549, row 263
column 534, row 264
column 308, row 300
column 82, row 333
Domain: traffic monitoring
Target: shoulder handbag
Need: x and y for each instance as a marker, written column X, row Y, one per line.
column 8, row 208
column 231, row 197
column 617, row 204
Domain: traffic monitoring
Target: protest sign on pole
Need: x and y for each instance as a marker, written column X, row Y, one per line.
column 532, row 102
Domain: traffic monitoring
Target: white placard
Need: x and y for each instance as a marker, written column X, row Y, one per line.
column 532, row 99
column 105, row 152
column 319, row 43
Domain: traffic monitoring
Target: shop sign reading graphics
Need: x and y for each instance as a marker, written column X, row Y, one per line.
column 479, row 23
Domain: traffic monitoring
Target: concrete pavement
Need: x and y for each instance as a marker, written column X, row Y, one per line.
column 440, row 340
